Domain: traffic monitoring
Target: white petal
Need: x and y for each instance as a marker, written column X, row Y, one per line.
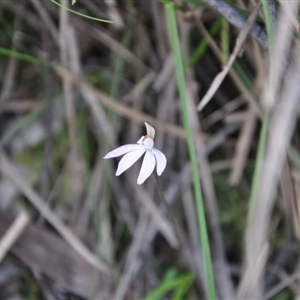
column 122, row 150
column 150, row 130
column 140, row 141
column 129, row 159
column 147, row 167
column 161, row 161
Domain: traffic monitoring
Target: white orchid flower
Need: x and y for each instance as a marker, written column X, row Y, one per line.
column 134, row 151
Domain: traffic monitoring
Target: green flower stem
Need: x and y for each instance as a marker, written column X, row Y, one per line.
column 173, row 33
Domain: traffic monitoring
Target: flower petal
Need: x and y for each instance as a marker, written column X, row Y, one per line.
column 147, row 167
column 140, row 141
column 122, row 150
column 150, row 130
column 161, row 161
column 129, row 159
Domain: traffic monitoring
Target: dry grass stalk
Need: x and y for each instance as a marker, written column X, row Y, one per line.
column 222, row 276
column 125, row 69
column 13, row 233
column 122, row 110
column 237, row 49
column 282, row 124
column 243, row 147
column 74, row 164
column 232, row 74
column 10, row 171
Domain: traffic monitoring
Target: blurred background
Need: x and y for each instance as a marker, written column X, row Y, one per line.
column 73, row 88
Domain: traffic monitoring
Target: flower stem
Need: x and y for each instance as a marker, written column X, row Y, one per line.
column 168, row 209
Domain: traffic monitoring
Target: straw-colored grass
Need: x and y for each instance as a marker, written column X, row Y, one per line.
column 219, row 82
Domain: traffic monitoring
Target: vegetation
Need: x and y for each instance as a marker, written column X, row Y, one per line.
column 219, row 82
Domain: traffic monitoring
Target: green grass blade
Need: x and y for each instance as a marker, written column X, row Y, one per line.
column 200, row 50
column 244, row 77
column 25, row 57
column 80, row 14
column 269, row 24
column 172, row 25
column 225, row 41
column 258, row 166
column 181, row 283
column 264, row 129
column 182, row 288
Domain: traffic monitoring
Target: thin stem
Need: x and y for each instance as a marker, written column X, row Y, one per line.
column 172, row 24
column 257, row 171
column 168, row 209
column 80, row 14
